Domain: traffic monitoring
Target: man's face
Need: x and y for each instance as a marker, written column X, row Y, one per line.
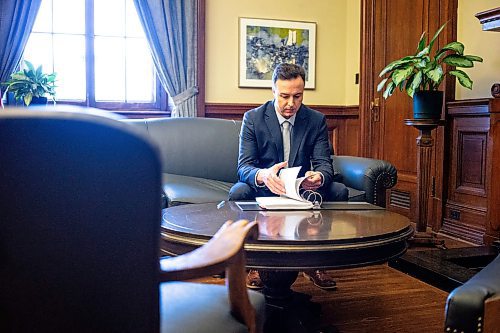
column 288, row 96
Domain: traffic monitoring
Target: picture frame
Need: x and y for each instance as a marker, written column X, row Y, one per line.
column 265, row 43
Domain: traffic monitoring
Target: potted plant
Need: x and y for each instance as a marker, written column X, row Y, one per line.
column 421, row 74
column 31, row 86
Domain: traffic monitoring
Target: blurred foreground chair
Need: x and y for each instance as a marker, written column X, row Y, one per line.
column 475, row 306
column 79, row 236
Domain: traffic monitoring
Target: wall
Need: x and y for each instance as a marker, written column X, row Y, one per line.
column 485, row 44
column 337, row 48
column 353, row 31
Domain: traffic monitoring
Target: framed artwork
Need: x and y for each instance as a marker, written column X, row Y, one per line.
column 267, row 43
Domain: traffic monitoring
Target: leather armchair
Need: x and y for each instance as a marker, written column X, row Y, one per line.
column 80, row 216
column 366, row 178
column 475, row 306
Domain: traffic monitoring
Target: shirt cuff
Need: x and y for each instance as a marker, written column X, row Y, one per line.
column 255, row 180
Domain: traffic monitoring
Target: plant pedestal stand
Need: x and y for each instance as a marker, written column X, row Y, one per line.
column 425, row 144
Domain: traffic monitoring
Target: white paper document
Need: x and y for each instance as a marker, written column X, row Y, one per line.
column 291, row 199
column 282, row 203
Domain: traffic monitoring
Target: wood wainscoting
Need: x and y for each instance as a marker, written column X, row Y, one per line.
column 342, row 121
column 470, row 207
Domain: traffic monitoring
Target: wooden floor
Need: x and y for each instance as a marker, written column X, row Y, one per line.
column 376, row 299
column 379, row 299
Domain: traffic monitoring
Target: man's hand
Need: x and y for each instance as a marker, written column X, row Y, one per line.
column 269, row 177
column 313, row 180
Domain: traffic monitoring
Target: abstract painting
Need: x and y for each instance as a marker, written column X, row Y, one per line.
column 266, row 43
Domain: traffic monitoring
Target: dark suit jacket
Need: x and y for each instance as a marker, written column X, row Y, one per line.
column 261, row 144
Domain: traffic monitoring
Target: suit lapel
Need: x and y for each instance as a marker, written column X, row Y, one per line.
column 298, row 133
column 274, row 129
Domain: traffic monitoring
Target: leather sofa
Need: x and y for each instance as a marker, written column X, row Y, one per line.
column 200, row 158
column 475, row 306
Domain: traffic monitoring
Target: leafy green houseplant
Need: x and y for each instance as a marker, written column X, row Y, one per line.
column 30, row 83
column 424, row 72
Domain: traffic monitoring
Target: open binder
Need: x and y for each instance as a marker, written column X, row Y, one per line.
column 292, row 198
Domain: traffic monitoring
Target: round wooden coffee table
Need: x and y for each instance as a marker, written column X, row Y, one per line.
column 293, row 241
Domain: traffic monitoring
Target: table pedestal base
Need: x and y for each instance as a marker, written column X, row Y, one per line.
column 426, row 239
column 287, row 310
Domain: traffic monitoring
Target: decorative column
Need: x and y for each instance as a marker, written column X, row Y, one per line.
column 425, row 145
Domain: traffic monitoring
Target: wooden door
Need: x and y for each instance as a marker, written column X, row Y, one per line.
column 390, row 30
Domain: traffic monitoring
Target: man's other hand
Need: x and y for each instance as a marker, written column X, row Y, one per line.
column 313, row 180
column 269, row 177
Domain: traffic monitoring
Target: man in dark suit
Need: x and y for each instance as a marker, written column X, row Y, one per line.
column 264, row 150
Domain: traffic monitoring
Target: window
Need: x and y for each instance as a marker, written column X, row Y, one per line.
column 100, row 54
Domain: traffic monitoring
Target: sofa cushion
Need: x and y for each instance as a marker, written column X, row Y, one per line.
column 197, row 147
column 184, row 189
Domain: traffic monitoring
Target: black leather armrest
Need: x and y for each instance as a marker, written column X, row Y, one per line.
column 465, row 304
column 366, row 174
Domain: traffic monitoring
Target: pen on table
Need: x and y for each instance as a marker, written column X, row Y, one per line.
column 220, row 204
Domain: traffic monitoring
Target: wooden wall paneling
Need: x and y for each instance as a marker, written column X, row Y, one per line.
column 333, row 134
column 366, row 90
column 403, row 197
column 342, row 122
column 464, row 221
column 467, row 178
column 435, row 14
column 490, row 21
column 389, row 138
column 343, row 126
column 232, row 111
column 447, row 13
column 351, row 144
column 397, row 142
column 465, row 214
column 385, row 30
column 493, row 174
column 439, row 180
column 471, row 143
column 344, row 134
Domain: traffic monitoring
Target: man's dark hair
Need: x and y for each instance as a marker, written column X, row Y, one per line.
column 288, row 72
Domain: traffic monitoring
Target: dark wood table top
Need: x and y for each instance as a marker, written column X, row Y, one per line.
column 293, row 240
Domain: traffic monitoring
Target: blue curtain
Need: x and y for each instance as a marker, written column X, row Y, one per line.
column 16, row 21
column 171, row 30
